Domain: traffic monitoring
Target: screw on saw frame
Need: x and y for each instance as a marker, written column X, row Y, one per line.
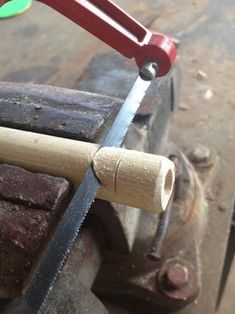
column 149, row 70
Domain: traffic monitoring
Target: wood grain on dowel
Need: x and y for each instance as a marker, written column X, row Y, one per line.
column 128, row 177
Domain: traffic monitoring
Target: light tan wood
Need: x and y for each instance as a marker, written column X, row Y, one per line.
column 128, row 177
column 134, row 178
column 48, row 154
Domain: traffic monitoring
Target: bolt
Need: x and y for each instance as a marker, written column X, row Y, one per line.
column 178, row 280
column 177, row 276
column 200, row 154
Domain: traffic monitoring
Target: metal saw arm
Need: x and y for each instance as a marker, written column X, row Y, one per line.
column 115, row 27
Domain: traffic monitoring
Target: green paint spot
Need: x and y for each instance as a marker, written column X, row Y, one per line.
column 14, row 7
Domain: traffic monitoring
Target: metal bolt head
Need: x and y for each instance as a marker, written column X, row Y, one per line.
column 200, row 154
column 177, row 279
column 177, row 276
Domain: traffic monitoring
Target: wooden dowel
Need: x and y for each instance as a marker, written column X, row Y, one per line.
column 128, row 177
column 48, row 154
column 134, row 178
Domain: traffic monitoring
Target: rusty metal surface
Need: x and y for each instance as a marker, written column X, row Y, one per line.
column 56, row 111
column 20, row 104
column 72, row 291
column 202, row 24
column 32, row 190
column 86, row 257
column 123, row 221
column 136, row 278
column 204, row 35
column 30, row 205
column 33, row 98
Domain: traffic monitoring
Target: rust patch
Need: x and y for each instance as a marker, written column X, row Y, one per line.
column 30, row 205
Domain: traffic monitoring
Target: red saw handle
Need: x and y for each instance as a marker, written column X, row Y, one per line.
column 112, row 25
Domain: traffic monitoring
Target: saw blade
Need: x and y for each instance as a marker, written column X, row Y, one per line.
column 67, row 230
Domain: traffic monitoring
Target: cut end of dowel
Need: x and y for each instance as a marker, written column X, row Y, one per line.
column 166, row 184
